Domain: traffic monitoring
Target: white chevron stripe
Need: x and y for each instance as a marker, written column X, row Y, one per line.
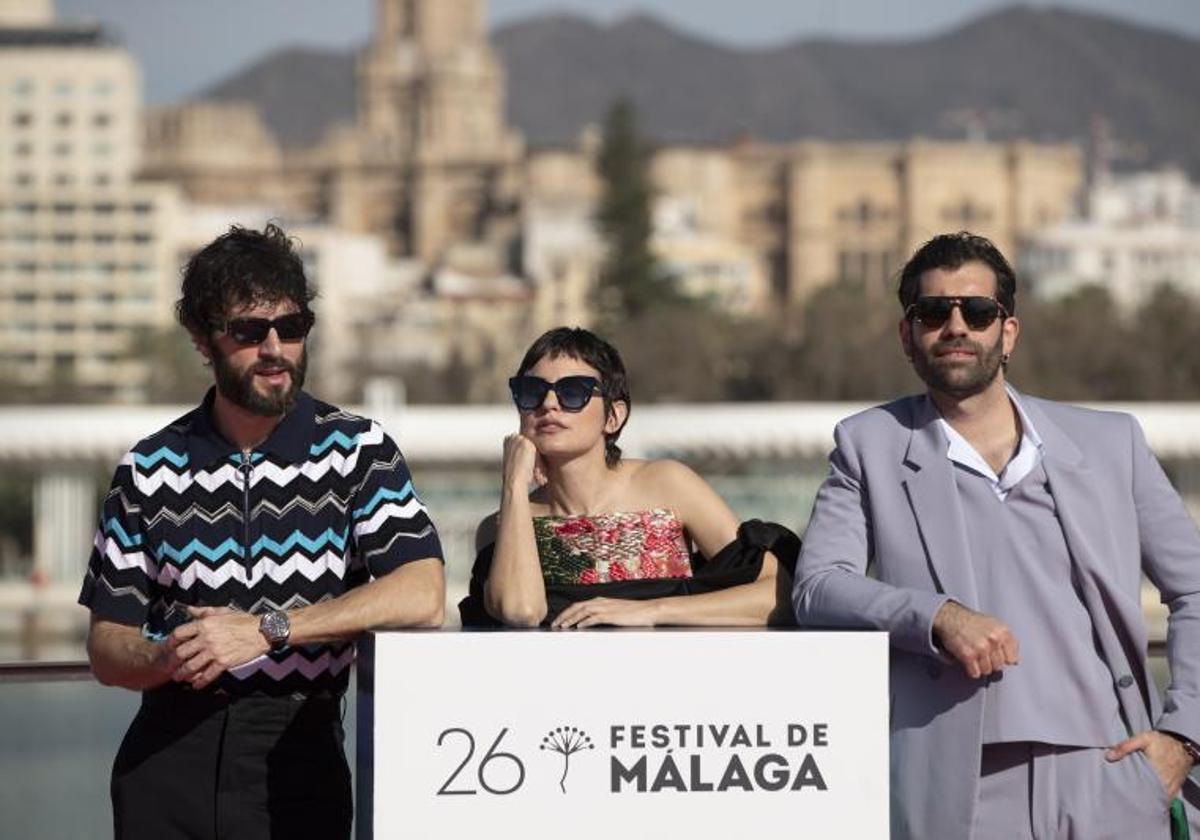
column 386, row 467
column 232, row 511
column 399, row 535
column 149, row 483
column 386, row 511
column 125, row 559
column 326, row 663
column 128, row 507
column 296, row 601
column 233, row 569
column 338, row 414
column 195, row 511
column 311, row 507
column 119, row 592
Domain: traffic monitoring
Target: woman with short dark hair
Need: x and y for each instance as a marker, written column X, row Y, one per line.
column 604, row 540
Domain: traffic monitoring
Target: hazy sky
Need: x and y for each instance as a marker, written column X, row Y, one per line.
column 186, row 45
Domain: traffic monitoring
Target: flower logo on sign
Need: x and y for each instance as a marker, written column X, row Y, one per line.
column 566, row 741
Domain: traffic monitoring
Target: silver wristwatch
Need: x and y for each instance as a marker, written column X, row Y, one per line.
column 275, row 628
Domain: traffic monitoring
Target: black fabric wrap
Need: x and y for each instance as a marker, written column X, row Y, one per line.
column 737, row 563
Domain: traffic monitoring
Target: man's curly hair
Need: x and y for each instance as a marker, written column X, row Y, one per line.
column 240, row 268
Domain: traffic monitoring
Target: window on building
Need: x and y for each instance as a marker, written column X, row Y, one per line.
column 102, row 180
column 63, row 87
column 62, row 149
column 104, row 237
column 64, row 208
column 23, row 179
column 142, row 208
column 104, row 208
column 64, row 179
column 63, row 119
column 101, row 119
column 23, row 149
column 25, row 298
column 64, row 297
column 141, row 237
column 22, row 119
column 23, row 87
column 64, row 327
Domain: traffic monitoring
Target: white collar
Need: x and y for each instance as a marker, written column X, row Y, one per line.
column 1029, row 452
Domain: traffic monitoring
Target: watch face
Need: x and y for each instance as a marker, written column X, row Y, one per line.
column 275, row 627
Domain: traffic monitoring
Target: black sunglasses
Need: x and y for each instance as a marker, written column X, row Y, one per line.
column 573, row 392
column 293, row 327
column 977, row 311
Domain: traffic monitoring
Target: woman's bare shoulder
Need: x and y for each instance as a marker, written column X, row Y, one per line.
column 663, row 473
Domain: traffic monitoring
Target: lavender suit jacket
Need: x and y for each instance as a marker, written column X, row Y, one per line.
column 887, row 545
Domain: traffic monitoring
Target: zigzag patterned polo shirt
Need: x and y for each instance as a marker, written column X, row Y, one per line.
column 325, row 504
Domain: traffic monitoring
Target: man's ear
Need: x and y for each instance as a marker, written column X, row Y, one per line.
column 202, row 344
column 905, row 328
column 618, row 413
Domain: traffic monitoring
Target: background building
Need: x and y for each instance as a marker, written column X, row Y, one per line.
column 86, row 266
column 1135, row 233
column 430, row 164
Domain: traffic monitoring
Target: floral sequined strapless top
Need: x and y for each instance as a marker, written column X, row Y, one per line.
column 603, row 547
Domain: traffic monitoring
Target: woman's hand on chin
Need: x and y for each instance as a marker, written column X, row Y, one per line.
column 607, row 611
column 522, row 463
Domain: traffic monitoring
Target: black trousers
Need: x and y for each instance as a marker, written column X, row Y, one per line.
column 206, row 766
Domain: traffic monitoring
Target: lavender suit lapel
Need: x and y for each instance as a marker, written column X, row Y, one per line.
column 933, row 496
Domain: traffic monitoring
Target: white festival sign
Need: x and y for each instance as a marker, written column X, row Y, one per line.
column 630, row 734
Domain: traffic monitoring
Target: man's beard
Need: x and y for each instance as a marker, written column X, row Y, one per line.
column 960, row 379
column 239, row 388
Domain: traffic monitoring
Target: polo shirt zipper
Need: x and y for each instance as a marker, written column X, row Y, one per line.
column 246, row 470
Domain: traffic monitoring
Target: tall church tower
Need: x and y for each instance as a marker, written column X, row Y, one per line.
column 431, row 89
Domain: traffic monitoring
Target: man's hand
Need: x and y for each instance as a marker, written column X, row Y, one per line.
column 611, row 611
column 216, row 640
column 1166, row 755
column 982, row 644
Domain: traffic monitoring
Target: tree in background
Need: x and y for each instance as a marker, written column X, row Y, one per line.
column 630, row 282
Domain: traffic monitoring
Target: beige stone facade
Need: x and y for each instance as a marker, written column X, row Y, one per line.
column 430, row 164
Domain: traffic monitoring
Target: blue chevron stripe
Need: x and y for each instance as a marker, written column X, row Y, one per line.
column 180, row 555
column 112, row 528
column 347, row 443
column 384, row 493
column 311, row 545
column 180, row 460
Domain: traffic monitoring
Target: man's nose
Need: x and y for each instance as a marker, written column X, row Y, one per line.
column 271, row 345
column 955, row 324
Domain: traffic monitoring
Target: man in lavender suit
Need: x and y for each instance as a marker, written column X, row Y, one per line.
column 1001, row 541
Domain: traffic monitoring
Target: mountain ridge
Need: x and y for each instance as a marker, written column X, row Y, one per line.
column 1044, row 74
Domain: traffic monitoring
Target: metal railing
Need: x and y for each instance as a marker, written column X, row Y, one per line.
column 24, row 672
